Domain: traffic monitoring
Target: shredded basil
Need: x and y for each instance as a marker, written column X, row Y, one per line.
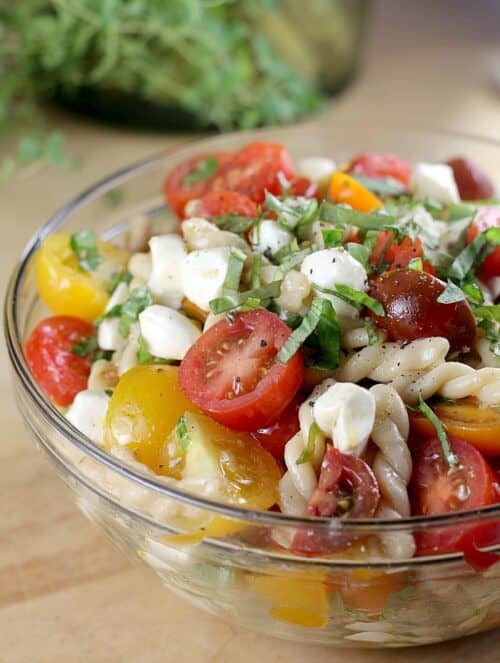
column 234, row 300
column 321, row 320
column 234, row 270
column 292, row 212
column 416, row 264
column 384, row 186
column 108, row 392
column 345, row 216
column 488, row 318
column 85, row 347
column 138, row 300
column 119, row 277
column 308, row 451
column 202, row 171
column 476, row 251
column 182, row 433
column 372, row 331
column 286, row 251
column 451, row 294
column 84, row 246
column 332, row 237
column 256, row 271
column 294, row 259
column 448, row 454
column 235, row 222
column 353, row 297
column 144, row 356
column 360, row 252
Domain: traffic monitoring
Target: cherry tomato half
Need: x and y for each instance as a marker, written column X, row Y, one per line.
column 472, row 183
column 191, row 179
column 302, row 186
column 232, row 374
column 254, row 170
column 275, row 436
column 346, row 487
column 377, row 165
column 479, row 426
column 387, row 250
column 487, row 217
column 220, row 202
column 412, row 311
column 438, row 489
column 60, row 373
column 345, row 189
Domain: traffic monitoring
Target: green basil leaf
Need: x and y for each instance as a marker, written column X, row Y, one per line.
column 332, row 237
column 139, row 299
column 417, row 264
column 181, row 430
column 322, row 319
column 448, row 454
column 360, row 252
column 234, row 270
column 451, row 294
column 204, row 169
column 341, row 215
column 235, row 223
column 384, row 186
column 292, row 212
column 308, row 452
column 144, row 356
column 84, row 246
column 119, row 277
column 466, row 258
column 234, row 300
column 353, row 297
column 256, row 270
column 294, row 260
column 488, row 312
column 85, row 347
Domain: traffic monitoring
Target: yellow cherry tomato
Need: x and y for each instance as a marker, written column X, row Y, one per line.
column 298, row 598
column 143, row 410
column 244, row 473
column 68, row 290
column 345, row 189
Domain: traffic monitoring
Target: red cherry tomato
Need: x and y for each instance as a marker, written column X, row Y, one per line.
column 346, row 487
column 412, row 311
column 387, row 250
column 438, row 489
column 275, row 436
column 191, row 179
column 220, row 202
column 254, row 170
column 472, row 183
column 487, row 217
column 302, row 186
column 60, row 373
column 232, row 373
column 381, row 165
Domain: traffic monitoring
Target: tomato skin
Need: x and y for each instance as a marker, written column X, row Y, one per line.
column 218, row 366
column 220, row 202
column 464, row 419
column 177, row 193
column 254, row 170
column 387, row 250
column 436, row 489
column 412, row 311
column 345, row 189
column 342, row 475
column 302, row 186
column 59, row 373
column 374, row 164
column 486, row 217
column 275, row 436
column 472, row 183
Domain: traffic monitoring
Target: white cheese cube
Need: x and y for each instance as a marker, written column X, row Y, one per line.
column 330, row 267
column 316, row 168
column 345, row 413
column 108, row 335
column 203, row 273
column 88, row 412
column 168, row 252
column 167, row 333
column 270, row 237
column 436, row 181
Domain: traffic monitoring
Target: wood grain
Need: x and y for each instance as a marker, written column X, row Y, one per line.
column 65, row 593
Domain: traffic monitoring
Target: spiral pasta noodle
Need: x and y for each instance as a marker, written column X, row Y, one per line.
column 392, row 466
column 420, row 367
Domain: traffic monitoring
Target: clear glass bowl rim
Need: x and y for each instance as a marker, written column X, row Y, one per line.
column 73, row 436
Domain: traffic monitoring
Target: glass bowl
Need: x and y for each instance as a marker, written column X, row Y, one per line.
column 225, row 559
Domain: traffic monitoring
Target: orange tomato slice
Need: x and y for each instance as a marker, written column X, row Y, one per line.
column 465, row 419
column 345, row 189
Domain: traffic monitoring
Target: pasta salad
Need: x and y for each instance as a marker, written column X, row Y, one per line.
column 316, row 338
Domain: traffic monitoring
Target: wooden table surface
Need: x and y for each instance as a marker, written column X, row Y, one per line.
column 65, row 593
